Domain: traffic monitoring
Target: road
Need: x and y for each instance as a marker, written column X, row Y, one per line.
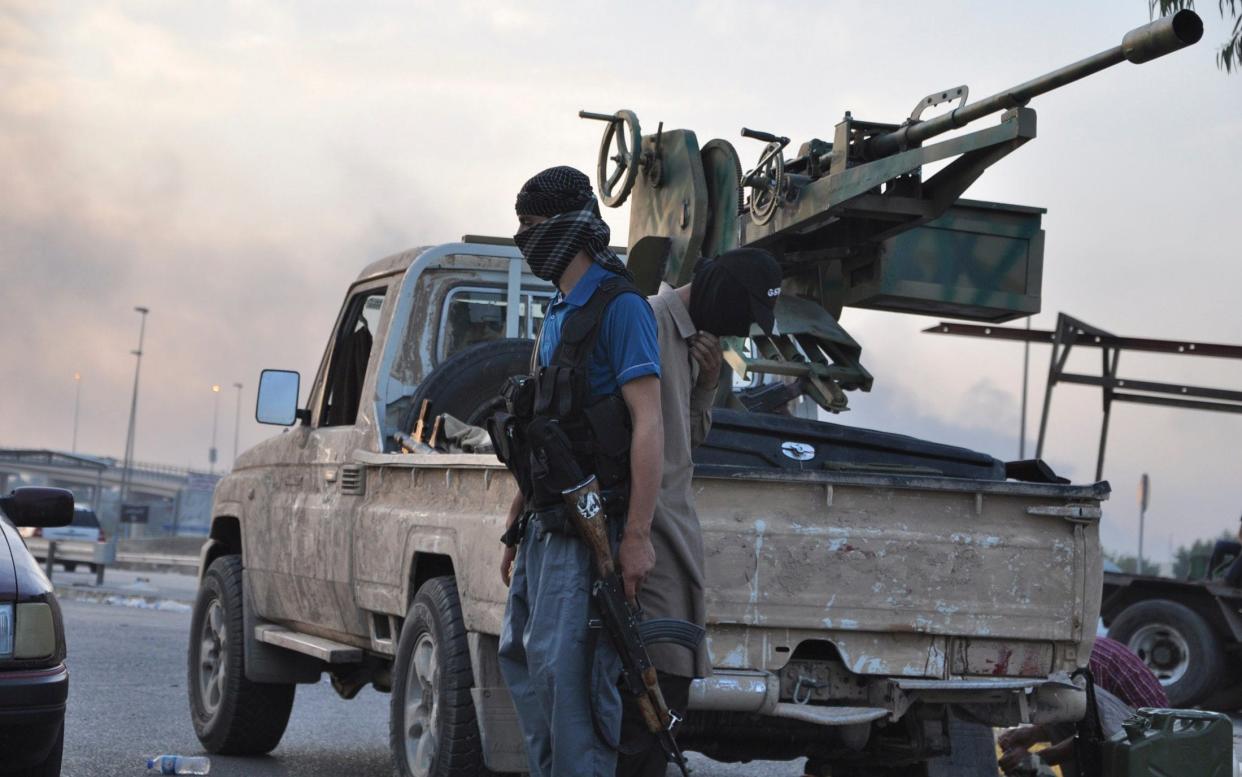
column 127, row 696
column 127, row 701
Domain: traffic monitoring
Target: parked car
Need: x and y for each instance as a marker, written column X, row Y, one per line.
column 34, row 682
column 84, row 528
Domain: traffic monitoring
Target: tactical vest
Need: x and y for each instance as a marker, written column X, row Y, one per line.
column 598, row 427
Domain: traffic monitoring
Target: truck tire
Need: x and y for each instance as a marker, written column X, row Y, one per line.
column 1176, row 644
column 467, row 384
column 231, row 715
column 432, row 727
column 70, row 566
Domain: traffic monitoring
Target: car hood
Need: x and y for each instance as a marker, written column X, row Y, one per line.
column 8, row 572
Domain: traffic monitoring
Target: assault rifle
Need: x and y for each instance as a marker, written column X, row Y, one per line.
column 556, row 468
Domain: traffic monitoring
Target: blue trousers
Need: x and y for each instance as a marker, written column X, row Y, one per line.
column 547, row 661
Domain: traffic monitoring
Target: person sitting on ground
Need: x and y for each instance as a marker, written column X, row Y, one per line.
column 1123, row 683
column 1225, row 549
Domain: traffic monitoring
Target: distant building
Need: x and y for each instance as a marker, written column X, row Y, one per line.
column 177, row 500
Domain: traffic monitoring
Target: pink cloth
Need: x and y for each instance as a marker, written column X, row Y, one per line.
column 1124, row 675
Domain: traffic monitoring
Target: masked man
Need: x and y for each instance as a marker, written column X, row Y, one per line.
column 727, row 295
column 598, row 380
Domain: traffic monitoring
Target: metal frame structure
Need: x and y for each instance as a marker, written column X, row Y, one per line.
column 1070, row 332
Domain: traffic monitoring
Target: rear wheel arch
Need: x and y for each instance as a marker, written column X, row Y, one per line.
column 425, row 566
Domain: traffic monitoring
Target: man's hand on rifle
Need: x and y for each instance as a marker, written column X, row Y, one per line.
column 506, row 564
column 636, row 557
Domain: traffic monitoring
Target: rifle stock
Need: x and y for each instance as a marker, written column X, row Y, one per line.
column 586, row 511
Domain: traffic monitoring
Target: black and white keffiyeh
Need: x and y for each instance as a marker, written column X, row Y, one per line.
column 556, row 190
column 563, row 195
column 550, row 245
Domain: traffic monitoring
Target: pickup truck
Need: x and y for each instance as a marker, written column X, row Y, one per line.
column 868, row 593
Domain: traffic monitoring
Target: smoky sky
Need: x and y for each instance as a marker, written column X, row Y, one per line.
column 233, row 165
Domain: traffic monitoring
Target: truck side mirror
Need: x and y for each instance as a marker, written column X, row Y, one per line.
column 44, row 508
column 278, row 398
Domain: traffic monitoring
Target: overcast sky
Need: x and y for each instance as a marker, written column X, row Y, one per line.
column 232, row 165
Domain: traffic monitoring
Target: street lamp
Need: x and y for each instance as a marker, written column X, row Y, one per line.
column 215, row 419
column 126, row 474
column 237, row 422
column 77, row 402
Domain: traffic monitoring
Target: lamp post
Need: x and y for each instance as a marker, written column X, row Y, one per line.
column 215, row 422
column 126, row 474
column 237, row 422
column 77, row 403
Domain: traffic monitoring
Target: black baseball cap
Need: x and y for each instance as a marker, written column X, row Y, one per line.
column 758, row 272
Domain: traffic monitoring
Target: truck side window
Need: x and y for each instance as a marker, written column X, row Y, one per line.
column 348, row 370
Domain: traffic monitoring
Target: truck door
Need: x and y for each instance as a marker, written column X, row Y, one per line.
column 324, row 497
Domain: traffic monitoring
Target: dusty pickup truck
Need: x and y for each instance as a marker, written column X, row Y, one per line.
column 868, row 592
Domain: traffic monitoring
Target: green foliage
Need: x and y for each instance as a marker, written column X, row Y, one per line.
column 1228, row 56
column 1185, row 555
column 1129, row 564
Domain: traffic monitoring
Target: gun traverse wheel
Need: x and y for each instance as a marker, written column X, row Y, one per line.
column 432, row 728
column 618, row 151
column 231, row 715
column 767, row 183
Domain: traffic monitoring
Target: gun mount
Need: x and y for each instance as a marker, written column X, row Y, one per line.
column 852, row 221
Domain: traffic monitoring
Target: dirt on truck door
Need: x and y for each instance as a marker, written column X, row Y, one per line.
column 318, row 529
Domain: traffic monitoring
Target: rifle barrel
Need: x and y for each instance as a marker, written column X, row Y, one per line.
column 1142, row 44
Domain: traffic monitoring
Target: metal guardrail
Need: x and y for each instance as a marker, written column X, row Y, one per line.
column 103, row 555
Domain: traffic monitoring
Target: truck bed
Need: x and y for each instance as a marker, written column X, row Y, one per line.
column 903, row 575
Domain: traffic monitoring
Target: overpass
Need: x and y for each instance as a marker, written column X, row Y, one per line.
column 96, row 481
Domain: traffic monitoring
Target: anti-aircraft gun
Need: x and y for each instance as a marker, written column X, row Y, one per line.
column 853, row 221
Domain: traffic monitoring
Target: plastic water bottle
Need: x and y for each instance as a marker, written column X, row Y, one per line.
column 179, row 764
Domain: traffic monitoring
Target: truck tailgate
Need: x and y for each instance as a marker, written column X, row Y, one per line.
column 904, row 575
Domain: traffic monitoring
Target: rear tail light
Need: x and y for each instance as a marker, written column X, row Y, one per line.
column 38, row 532
column 102, row 537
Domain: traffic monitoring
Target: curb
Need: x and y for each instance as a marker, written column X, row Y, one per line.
column 121, row 597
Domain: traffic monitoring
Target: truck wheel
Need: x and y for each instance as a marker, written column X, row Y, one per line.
column 432, row 729
column 231, row 715
column 1177, row 645
column 70, row 566
column 467, row 384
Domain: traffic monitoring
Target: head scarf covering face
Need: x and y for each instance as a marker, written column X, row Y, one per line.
column 563, row 195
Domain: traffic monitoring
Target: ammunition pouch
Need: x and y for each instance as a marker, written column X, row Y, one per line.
column 596, row 430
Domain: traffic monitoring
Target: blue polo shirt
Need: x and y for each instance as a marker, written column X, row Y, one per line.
column 628, row 345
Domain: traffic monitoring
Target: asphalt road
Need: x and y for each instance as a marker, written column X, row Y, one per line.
column 127, row 701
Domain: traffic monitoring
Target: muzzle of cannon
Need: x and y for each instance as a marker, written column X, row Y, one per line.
column 853, row 221
column 1142, row 44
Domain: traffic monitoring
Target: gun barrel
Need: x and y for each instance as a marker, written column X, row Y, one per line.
column 1143, row 44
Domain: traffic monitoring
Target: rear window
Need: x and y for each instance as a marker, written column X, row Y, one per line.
column 85, row 519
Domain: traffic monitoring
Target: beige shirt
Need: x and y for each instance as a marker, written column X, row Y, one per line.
column 675, row 587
